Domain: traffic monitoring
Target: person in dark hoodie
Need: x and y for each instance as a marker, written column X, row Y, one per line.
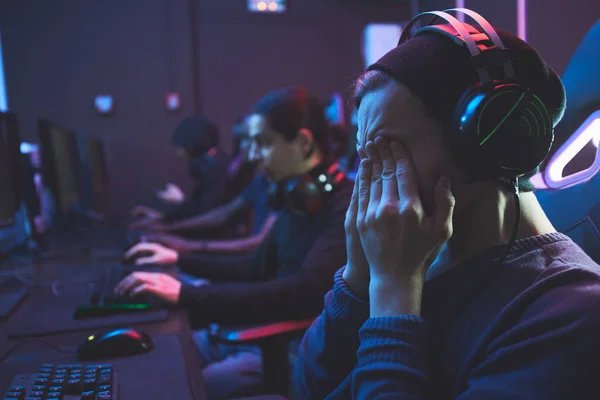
column 196, row 140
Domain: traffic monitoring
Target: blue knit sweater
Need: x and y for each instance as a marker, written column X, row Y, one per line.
column 528, row 329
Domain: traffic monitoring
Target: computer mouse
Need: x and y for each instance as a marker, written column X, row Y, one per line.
column 114, row 344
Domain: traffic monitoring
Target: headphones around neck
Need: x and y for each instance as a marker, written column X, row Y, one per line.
column 305, row 195
column 503, row 129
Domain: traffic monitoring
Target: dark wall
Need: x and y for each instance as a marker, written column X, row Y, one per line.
column 556, row 27
column 317, row 44
column 60, row 55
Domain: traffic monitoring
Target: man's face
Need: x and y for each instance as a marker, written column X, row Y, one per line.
column 278, row 157
column 182, row 154
column 392, row 111
column 245, row 145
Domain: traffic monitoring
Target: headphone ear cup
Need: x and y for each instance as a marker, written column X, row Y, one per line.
column 504, row 131
column 303, row 196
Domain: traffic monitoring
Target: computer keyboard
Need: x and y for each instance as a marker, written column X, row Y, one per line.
column 103, row 293
column 66, row 382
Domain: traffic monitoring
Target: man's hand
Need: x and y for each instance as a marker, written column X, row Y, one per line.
column 155, row 254
column 140, row 211
column 162, row 285
column 172, row 194
column 174, row 242
column 399, row 240
column 356, row 274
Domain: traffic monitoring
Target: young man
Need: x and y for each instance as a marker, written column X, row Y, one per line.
column 196, row 140
column 433, row 304
column 297, row 261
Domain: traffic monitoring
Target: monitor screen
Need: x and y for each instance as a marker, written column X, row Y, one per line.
column 60, row 163
column 94, row 172
column 334, row 110
column 9, row 168
column 97, row 162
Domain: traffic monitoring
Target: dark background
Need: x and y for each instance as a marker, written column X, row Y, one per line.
column 58, row 55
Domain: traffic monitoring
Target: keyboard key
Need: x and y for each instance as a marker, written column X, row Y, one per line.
column 36, row 394
column 106, row 371
column 34, row 398
column 55, row 389
column 106, row 395
column 61, row 371
column 89, row 395
column 102, row 388
column 104, row 379
column 75, row 376
column 41, row 381
column 58, row 382
column 60, row 376
column 17, row 389
column 44, row 375
column 73, row 386
column 54, row 395
column 89, row 376
column 14, row 395
column 47, row 365
column 89, row 384
column 38, row 388
column 75, row 371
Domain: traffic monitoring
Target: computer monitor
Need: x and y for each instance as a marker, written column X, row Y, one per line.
column 94, row 174
column 10, row 170
column 334, row 110
column 60, row 165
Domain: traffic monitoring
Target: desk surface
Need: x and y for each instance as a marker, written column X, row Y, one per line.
column 153, row 375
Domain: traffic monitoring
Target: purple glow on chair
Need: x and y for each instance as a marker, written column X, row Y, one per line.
column 553, row 175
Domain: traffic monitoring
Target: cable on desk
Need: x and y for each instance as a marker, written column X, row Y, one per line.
column 16, row 346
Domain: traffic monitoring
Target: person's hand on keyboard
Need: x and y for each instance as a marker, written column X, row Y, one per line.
column 152, row 253
column 173, row 242
column 162, row 285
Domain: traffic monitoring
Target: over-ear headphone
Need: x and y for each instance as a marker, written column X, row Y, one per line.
column 503, row 129
column 305, row 195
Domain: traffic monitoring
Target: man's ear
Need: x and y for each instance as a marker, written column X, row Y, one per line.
column 307, row 142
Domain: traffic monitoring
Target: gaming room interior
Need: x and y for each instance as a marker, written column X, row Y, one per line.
column 175, row 175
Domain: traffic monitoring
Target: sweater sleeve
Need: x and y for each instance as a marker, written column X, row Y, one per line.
column 543, row 349
column 296, row 296
column 327, row 353
column 218, row 267
column 392, row 359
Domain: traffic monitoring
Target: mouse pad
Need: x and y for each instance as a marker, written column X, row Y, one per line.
column 48, row 314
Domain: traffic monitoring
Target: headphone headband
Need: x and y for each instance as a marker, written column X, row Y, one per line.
column 463, row 33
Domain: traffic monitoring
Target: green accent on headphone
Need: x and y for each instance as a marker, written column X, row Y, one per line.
column 508, row 114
